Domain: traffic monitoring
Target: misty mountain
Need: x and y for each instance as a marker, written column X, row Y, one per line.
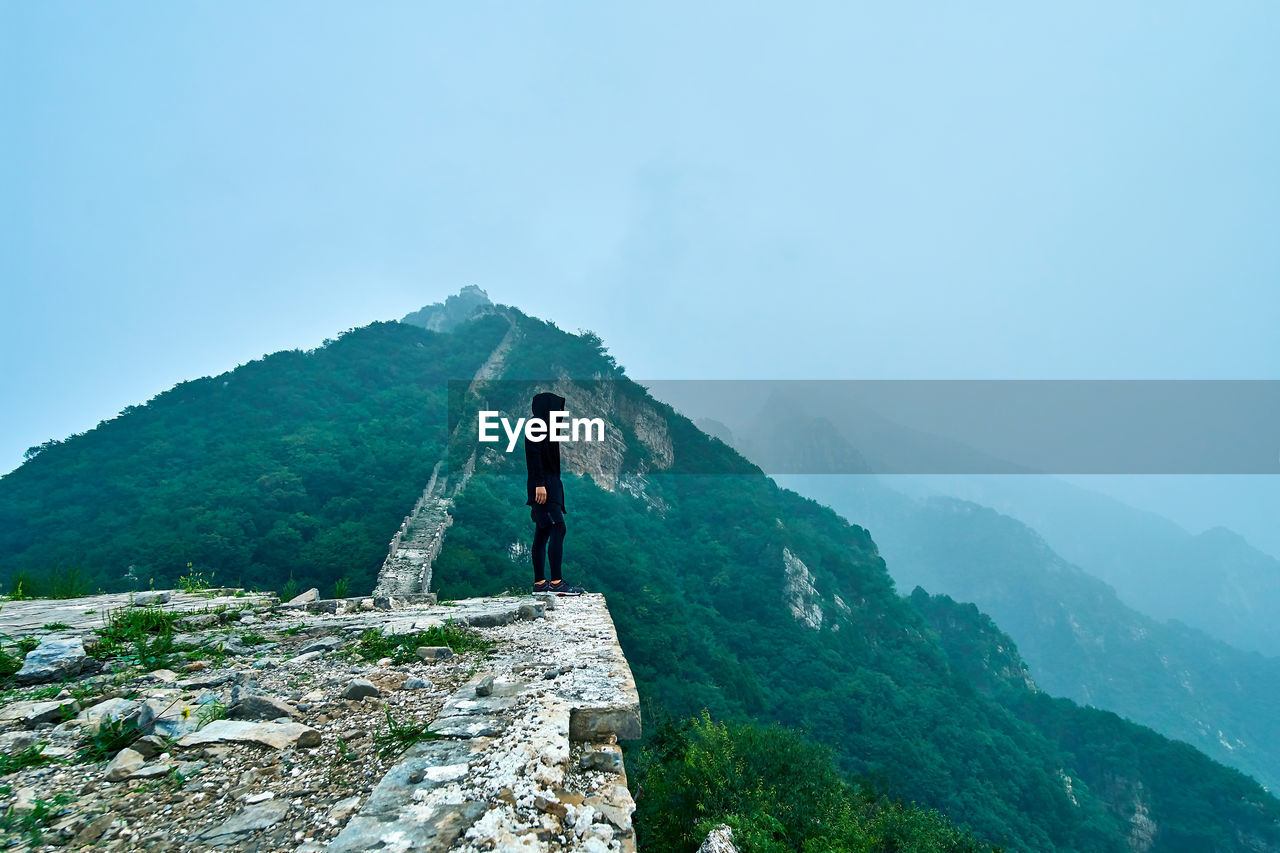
column 1215, row 581
column 729, row 593
column 1079, row 640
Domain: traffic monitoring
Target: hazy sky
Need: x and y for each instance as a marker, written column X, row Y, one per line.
column 719, row 190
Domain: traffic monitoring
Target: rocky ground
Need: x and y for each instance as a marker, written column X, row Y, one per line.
column 487, row 725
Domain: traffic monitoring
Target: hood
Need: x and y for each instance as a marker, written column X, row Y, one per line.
column 545, row 403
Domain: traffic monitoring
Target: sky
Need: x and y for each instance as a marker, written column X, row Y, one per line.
column 720, row 190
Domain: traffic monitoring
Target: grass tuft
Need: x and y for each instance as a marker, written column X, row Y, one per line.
column 373, row 644
column 397, row 737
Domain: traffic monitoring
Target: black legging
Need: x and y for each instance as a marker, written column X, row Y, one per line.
column 548, row 540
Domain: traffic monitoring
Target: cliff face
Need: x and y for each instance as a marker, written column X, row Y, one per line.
column 484, row 724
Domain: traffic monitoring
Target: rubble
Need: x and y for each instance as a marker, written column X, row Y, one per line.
column 263, row 745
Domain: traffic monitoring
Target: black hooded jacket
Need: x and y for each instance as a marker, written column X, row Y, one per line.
column 542, row 458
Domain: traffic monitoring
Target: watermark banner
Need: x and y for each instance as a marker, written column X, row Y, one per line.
column 917, row 426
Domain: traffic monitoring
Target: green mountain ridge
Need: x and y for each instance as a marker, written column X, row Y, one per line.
column 301, row 466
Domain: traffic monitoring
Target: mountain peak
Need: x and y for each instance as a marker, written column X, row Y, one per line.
column 456, row 309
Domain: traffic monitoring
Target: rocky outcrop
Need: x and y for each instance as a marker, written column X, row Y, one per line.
column 719, row 840
column 803, row 599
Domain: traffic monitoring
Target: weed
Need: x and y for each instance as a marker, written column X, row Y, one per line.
column 193, row 581
column 55, row 626
column 210, row 712
column 32, row 756
column 289, row 589
column 340, row 587
column 35, row 822
column 252, row 639
column 111, row 736
column 294, row 629
column 136, row 627
column 397, row 737
column 374, row 644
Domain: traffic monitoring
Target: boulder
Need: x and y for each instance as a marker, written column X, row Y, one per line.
column 54, row 711
column 323, row 644
column 241, row 824
column 312, row 594
column 359, row 688
column 434, row 652
column 258, row 706
column 109, row 709
column 152, row 598
column 274, row 735
column 55, row 659
column 168, row 718
column 125, row 764
column 719, row 840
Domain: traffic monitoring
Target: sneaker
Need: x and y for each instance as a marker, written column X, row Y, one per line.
column 541, row 588
column 562, row 587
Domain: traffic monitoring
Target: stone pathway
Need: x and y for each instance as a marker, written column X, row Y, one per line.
column 528, row 758
column 82, row 615
column 269, row 744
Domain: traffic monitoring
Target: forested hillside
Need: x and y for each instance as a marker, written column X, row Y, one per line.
column 299, row 465
column 1080, row 641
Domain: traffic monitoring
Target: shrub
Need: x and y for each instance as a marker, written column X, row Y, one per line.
column 779, row 792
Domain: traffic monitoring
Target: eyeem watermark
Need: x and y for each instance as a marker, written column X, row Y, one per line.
column 559, row 428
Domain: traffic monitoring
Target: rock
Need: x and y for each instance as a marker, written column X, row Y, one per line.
column 306, row 657
column 92, row 831
column 312, row 594
column 359, row 688
column 164, row 676
column 434, row 652
column 232, row 646
column 257, row 706
column 605, row 757
column 202, row 620
column 109, row 709
column 343, row 809
column 615, row 806
column 124, row 765
column 56, row 711
column 252, row 819
column 150, row 746
column 11, row 743
column 485, row 687
column 54, row 659
column 275, row 735
column 324, row 644
column 260, row 797
column 413, row 682
column 206, row 682
column 384, row 662
column 553, row 807
column 24, row 800
column 153, row 771
column 152, row 598
column 719, row 840
column 168, row 717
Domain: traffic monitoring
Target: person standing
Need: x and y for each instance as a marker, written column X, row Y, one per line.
column 546, row 500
